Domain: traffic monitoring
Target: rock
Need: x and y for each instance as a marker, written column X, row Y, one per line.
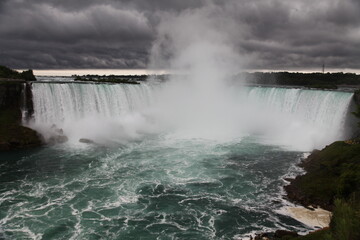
column 57, row 135
column 308, row 162
column 60, row 131
column 85, row 140
column 289, row 179
column 5, row 146
column 18, row 137
column 58, row 139
column 263, row 236
column 279, row 234
column 285, row 233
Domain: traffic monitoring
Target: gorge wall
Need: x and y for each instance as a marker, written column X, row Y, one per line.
column 15, row 106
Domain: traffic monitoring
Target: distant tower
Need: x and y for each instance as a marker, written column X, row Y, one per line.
column 323, row 68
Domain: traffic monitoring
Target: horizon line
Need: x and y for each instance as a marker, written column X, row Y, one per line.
column 105, row 71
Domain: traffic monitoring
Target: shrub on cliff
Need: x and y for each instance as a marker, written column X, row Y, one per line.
column 28, row 75
column 8, row 73
column 345, row 223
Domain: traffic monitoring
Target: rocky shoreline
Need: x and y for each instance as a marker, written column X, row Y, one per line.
column 331, row 182
column 296, row 194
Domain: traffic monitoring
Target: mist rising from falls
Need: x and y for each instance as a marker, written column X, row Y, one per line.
column 109, row 113
column 198, row 104
column 204, row 105
column 295, row 118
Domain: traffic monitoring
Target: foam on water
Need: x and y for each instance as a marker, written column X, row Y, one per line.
column 154, row 188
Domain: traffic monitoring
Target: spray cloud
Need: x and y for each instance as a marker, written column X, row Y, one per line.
column 197, row 47
column 199, row 102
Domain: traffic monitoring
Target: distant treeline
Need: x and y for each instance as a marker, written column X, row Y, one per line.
column 99, row 77
column 316, row 80
column 131, row 79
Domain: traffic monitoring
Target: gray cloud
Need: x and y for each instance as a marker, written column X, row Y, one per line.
column 119, row 34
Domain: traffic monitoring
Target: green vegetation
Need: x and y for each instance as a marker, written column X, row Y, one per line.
column 323, row 86
column 332, row 181
column 28, row 75
column 128, row 79
column 8, row 73
column 346, row 220
column 312, row 80
column 333, row 172
column 357, row 101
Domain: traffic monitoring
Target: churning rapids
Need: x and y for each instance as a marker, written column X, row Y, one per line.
column 160, row 166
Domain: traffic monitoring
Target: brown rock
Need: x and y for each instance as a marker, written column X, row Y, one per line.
column 284, row 233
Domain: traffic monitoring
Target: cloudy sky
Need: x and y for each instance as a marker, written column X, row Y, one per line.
column 121, row 34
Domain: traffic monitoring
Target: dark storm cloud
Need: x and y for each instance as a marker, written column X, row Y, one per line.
column 119, row 34
column 40, row 35
column 302, row 33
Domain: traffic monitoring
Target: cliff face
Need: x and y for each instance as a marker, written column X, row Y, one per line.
column 9, row 93
column 10, row 103
column 15, row 96
column 357, row 97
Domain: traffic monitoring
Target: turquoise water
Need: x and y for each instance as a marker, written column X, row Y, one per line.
column 158, row 188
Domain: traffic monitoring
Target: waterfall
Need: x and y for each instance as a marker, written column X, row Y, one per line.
column 56, row 103
column 23, row 107
column 26, row 104
column 306, row 118
column 321, row 108
column 101, row 111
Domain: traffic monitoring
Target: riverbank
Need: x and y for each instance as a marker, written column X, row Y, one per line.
column 331, row 182
column 333, row 172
